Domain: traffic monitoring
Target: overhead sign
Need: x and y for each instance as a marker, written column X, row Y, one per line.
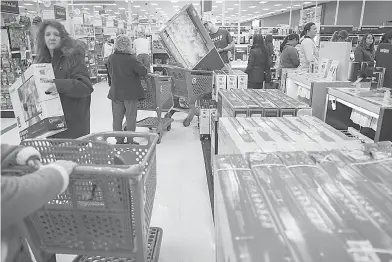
column 207, row 6
column 11, row 7
column 60, row 13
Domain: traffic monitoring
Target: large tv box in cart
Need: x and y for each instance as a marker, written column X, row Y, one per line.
column 188, row 43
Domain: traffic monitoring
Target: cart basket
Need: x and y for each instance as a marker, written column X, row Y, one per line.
column 106, row 209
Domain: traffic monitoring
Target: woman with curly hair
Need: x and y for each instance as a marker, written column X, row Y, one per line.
column 126, row 89
column 365, row 50
column 72, row 80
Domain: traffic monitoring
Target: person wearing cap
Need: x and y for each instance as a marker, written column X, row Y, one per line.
column 221, row 38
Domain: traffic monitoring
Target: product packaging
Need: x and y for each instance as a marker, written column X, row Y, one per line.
column 38, row 113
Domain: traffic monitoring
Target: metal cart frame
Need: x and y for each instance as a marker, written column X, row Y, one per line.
column 189, row 84
column 105, row 213
column 158, row 98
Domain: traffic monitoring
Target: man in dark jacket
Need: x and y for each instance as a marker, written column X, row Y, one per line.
column 125, row 85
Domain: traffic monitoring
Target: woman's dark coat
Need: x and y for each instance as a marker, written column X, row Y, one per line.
column 73, row 84
column 125, row 72
column 258, row 64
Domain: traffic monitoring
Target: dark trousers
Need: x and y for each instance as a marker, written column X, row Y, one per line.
column 145, row 60
column 124, row 108
column 252, row 85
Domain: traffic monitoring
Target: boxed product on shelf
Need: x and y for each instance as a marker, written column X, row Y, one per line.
column 231, row 105
column 220, row 82
column 232, row 79
column 207, row 111
column 188, row 42
column 38, row 113
column 270, row 134
column 305, row 206
column 242, row 78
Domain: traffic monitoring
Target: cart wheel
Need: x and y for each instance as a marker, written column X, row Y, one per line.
column 150, row 128
column 159, row 138
column 168, row 127
column 186, row 122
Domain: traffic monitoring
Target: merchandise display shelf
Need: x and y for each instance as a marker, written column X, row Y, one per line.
column 243, row 135
column 304, row 205
column 311, row 89
column 368, row 103
column 253, row 102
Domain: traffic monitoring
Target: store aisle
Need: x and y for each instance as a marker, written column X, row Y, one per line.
column 182, row 208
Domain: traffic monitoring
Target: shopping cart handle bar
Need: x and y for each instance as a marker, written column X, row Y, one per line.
column 126, row 134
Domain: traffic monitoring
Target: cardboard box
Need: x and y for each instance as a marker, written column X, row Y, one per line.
column 37, row 114
column 220, row 82
column 242, row 79
column 232, row 79
column 204, row 117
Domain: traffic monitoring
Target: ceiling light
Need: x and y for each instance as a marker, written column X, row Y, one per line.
column 231, row 8
column 154, row 4
column 174, row 1
column 253, row 6
column 27, row 4
column 117, row 13
column 214, row 6
column 263, row 2
column 142, row 10
column 109, row 10
column 136, row 6
column 278, row 5
column 196, row 4
column 176, row 6
column 235, row 4
column 97, row 6
column 307, row 2
column 244, row 10
column 86, row 8
column 121, row 8
column 296, row 5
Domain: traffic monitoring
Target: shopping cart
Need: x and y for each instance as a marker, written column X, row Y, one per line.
column 158, row 98
column 188, row 84
column 105, row 213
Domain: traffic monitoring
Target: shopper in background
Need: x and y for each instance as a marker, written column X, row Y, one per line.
column 270, row 48
column 341, row 36
column 22, row 196
column 140, row 46
column 308, row 52
column 108, row 48
column 289, row 55
column 222, row 40
column 125, row 88
column 364, row 52
column 72, row 80
column 387, row 38
column 258, row 68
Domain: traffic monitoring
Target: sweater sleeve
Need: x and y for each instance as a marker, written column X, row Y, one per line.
column 139, row 68
column 293, row 55
column 22, row 196
column 78, row 84
column 250, row 61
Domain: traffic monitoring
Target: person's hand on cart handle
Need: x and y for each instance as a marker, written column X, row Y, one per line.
column 28, row 156
column 136, row 169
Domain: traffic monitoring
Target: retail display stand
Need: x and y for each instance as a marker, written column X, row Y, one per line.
column 311, row 89
column 304, row 206
column 371, row 106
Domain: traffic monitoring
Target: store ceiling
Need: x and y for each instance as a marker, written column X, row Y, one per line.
column 166, row 9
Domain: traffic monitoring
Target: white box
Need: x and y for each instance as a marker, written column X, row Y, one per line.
column 220, row 82
column 242, row 79
column 37, row 114
column 339, row 51
column 231, row 80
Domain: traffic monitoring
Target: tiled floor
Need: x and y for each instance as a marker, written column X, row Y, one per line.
column 182, row 208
